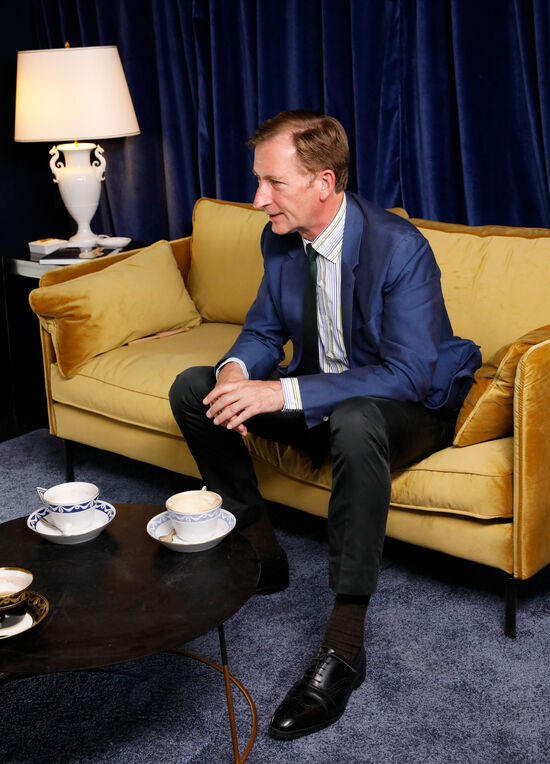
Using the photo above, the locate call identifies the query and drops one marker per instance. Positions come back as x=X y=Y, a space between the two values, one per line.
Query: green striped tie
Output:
x=310 y=355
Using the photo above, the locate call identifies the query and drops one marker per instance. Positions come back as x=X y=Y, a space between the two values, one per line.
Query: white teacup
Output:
x=194 y=514
x=71 y=505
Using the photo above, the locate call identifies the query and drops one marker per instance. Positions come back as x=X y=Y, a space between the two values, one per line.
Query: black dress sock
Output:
x=345 y=630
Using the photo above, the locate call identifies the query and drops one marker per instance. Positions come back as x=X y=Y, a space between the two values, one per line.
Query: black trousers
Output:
x=367 y=438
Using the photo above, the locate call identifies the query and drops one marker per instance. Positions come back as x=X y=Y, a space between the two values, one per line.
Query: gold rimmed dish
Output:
x=30 y=611
x=13 y=584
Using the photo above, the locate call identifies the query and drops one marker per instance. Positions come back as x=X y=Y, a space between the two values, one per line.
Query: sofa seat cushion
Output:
x=475 y=481
x=131 y=383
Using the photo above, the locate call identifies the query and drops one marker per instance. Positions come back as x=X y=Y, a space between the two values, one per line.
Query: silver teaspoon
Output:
x=52 y=525
x=169 y=536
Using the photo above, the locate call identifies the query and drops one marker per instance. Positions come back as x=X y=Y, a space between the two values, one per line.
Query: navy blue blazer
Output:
x=397 y=333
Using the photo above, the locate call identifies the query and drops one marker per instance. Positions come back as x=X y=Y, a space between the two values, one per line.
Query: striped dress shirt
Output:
x=332 y=352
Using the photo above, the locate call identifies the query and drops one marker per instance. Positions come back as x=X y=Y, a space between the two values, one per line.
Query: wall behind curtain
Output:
x=446 y=103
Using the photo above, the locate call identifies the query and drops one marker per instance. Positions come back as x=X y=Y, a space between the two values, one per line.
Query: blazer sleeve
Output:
x=263 y=336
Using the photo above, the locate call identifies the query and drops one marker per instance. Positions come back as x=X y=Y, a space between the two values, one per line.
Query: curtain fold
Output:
x=446 y=102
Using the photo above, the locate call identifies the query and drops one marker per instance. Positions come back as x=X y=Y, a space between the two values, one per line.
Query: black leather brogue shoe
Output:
x=320 y=695
x=274 y=575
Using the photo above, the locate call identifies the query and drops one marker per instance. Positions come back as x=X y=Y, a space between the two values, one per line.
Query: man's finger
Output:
x=222 y=388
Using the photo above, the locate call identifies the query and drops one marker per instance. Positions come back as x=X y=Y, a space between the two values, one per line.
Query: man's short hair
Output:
x=321 y=141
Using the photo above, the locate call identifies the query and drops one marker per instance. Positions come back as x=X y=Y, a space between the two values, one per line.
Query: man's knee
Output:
x=357 y=421
x=191 y=386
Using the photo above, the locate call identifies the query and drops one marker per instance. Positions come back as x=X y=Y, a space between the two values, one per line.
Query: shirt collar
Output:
x=329 y=240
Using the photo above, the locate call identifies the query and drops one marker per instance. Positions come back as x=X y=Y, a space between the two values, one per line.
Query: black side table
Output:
x=22 y=390
x=122 y=596
x=23 y=406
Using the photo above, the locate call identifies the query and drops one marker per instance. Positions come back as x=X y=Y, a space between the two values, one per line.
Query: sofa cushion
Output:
x=488 y=411
x=474 y=481
x=494 y=279
x=131 y=383
x=226 y=262
x=91 y=314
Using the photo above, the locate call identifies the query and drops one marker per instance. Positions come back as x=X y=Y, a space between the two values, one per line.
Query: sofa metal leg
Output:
x=69 y=462
x=511 y=602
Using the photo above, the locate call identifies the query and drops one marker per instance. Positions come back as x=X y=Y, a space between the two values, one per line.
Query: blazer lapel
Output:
x=351 y=244
x=293 y=274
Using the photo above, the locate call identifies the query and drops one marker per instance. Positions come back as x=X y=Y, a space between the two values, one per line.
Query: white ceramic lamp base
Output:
x=79 y=182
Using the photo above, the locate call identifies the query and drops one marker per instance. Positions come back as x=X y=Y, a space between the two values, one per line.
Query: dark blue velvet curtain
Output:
x=446 y=103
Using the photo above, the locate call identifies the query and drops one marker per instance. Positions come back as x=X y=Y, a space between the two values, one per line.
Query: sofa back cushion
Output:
x=226 y=262
x=494 y=279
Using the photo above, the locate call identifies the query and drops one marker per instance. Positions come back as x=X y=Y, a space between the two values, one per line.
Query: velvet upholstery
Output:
x=218 y=252
x=494 y=279
x=487 y=502
x=86 y=316
x=487 y=412
x=531 y=462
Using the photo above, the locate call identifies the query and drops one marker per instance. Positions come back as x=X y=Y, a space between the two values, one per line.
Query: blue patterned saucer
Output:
x=103 y=512
x=161 y=525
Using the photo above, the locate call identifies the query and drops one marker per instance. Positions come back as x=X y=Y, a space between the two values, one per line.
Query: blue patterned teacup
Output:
x=71 y=505
x=194 y=514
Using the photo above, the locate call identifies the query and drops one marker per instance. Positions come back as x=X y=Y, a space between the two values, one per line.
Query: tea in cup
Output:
x=71 y=505
x=13 y=584
x=194 y=514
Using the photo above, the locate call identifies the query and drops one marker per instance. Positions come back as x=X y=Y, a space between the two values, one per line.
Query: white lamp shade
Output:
x=68 y=94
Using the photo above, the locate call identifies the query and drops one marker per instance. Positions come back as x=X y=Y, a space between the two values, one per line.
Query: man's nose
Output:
x=261 y=198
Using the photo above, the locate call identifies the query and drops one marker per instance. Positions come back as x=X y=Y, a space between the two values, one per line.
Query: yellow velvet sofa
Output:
x=487 y=500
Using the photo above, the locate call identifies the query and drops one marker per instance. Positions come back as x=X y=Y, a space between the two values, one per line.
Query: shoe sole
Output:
x=282 y=735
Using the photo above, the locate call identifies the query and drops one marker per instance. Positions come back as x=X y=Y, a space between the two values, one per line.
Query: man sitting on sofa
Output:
x=376 y=380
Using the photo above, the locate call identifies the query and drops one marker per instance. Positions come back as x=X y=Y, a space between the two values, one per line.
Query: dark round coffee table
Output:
x=123 y=596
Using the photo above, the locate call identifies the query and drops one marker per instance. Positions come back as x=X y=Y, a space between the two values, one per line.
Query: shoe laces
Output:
x=318 y=667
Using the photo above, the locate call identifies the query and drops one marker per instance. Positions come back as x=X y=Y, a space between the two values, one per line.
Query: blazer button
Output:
x=325 y=419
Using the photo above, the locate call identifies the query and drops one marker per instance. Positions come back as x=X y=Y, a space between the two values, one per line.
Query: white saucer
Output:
x=112 y=241
x=160 y=525
x=103 y=514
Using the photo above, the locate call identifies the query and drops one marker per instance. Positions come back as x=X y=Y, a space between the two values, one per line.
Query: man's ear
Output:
x=327 y=181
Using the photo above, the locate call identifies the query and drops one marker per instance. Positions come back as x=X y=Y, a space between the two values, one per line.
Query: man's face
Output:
x=287 y=192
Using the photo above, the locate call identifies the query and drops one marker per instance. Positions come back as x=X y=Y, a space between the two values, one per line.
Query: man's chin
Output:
x=279 y=225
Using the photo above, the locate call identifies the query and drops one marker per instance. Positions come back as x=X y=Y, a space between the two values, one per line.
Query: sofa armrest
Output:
x=48 y=357
x=532 y=461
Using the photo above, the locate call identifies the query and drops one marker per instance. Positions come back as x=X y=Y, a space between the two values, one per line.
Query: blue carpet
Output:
x=443 y=682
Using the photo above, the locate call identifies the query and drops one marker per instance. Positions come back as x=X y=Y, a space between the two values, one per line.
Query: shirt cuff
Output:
x=291 y=392
x=233 y=360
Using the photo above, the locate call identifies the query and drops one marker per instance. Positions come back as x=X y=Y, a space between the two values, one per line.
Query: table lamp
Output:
x=74 y=94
